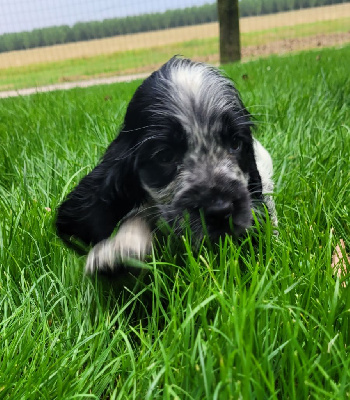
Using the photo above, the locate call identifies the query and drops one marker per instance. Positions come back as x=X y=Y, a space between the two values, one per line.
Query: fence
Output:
x=57 y=43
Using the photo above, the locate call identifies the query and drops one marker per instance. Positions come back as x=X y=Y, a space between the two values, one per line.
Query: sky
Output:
x=25 y=15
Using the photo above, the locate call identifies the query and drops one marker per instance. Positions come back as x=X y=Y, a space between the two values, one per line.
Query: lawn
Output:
x=232 y=320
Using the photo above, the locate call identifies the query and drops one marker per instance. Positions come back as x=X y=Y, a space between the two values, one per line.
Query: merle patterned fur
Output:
x=186 y=148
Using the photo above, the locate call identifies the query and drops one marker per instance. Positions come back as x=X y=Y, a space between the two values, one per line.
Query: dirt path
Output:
x=297 y=44
x=71 y=85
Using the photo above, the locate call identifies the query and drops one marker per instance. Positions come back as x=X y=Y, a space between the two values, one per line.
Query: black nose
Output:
x=219 y=208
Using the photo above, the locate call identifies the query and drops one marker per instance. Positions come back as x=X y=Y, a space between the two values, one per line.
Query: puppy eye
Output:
x=165 y=156
x=235 y=145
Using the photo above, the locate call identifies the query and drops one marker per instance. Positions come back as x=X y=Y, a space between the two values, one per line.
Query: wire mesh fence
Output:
x=71 y=40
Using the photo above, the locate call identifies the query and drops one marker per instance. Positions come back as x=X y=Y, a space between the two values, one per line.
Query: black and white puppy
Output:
x=186 y=147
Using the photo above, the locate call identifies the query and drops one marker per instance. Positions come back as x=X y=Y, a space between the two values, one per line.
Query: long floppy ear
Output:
x=103 y=197
x=110 y=191
x=245 y=125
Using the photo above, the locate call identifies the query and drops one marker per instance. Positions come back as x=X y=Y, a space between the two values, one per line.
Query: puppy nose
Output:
x=219 y=209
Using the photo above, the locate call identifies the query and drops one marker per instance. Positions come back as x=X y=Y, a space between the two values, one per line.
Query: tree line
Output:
x=143 y=23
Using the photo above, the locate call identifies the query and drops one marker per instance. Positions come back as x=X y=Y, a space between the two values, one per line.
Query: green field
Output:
x=126 y=62
x=233 y=321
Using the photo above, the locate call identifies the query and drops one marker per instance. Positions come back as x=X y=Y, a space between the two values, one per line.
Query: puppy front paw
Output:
x=132 y=241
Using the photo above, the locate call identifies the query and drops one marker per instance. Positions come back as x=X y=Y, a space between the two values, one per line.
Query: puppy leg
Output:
x=132 y=241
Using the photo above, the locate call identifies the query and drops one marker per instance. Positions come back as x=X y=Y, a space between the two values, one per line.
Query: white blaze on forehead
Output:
x=194 y=93
x=189 y=79
x=197 y=96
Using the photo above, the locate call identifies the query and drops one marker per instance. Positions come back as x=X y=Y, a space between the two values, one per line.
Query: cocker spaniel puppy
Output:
x=185 y=149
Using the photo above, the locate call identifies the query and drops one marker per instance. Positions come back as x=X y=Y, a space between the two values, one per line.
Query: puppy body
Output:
x=186 y=147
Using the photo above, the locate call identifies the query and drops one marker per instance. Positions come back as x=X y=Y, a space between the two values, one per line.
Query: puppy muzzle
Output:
x=215 y=207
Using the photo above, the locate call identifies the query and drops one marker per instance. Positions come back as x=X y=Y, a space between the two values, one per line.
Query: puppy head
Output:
x=185 y=148
x=197 y=154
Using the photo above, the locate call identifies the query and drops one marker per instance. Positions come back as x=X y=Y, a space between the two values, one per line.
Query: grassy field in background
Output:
x=296 y=31
x=173 y=35
x=140 y=60
x=231 y=321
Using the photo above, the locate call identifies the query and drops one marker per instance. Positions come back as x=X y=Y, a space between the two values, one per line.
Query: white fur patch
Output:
x=133 y=241
x=196 y=94
x=189 y=79
x=265 y=167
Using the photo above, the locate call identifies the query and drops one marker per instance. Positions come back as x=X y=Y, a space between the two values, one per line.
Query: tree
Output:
x=230 y=47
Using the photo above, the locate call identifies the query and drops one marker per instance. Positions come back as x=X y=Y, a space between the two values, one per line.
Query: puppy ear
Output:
x=92 y=210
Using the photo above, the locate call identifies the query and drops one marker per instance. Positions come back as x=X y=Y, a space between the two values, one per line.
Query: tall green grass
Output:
x=229 y=321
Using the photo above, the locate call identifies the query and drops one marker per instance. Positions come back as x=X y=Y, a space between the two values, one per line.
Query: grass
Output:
x=124 y=62
x=230 y=321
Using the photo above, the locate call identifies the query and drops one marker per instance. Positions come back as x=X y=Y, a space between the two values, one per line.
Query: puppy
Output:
x=185 y=152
